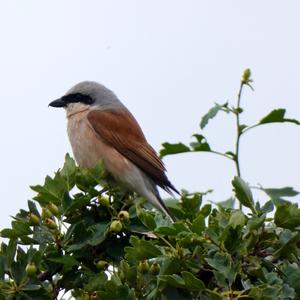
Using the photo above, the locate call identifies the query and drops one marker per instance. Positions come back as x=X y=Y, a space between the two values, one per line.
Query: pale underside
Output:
x=88 y=148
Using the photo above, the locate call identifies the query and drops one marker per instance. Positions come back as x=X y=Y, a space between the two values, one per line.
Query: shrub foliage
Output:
x=83 y=236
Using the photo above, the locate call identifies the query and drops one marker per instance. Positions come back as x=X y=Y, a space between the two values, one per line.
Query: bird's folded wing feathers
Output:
x=119 y=129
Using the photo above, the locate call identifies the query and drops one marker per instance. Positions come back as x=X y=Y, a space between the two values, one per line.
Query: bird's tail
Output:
x=159 y=203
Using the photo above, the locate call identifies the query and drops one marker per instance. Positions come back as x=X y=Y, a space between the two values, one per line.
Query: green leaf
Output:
x=141 y=250
x=281 y=192
x=277 y=116
x=256 y=222
x=229 y=203
x=172 y=280
x=166 y=230
x=267 y=207
x=243 y=193
x=146 y=218
x=276 y=194
x=11 y=251
x=198 y=224
x=292 y=273
x=237 y=218
x=205 y=210
x=191 y=203
x=67 y=261
x=8 y=233
x=223 y=264
x=212 y=113
x=53 y=190
x=201 y=143
x=169 y=265
x=192 y=282
x=68 y=171
x=169 y=149
x=287 y=216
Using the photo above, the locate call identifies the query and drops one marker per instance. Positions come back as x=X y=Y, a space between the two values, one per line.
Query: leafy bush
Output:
x=94 y=241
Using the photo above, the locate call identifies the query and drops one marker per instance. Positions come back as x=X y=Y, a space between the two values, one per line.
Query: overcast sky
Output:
x=168 y=61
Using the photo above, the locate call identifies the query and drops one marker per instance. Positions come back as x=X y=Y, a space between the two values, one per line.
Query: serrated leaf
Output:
x=166 y=230
x=223 y=264
x=68 y=171
x=256 y=222
x=192 y=282
x=201 y=143
x=169 y=149
x=237 y=218
x=172 y=280
x=277 y=194
x=243 y=193
x=198 y=224
x=212 y=113
x=277 y=115
x=141 y=250
x=229 y=203
x=281 y=192
x=67 y=261
x=267 y=207
x=287 y=216
x=146 y=218
x=53 y=190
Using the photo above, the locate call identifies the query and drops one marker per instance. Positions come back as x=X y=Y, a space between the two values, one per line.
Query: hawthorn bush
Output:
x=83 y=237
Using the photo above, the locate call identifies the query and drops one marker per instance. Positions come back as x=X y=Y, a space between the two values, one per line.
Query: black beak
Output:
x=58 y=103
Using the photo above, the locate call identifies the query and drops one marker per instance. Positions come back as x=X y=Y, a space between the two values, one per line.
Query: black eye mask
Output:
x=76 y=98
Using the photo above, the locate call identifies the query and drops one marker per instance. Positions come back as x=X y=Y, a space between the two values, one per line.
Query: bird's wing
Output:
x=119 y=129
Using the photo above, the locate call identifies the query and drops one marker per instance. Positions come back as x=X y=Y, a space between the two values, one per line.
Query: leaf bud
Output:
x=123 y=215
x=46 y=213
x=143 y=266
x=154 y=269
x=103 y=200
x=33 y=219
x=102 y=265
x=115 y=226
x=246 y=76
x=30 y=269
x=50 y=224
x=53 y=209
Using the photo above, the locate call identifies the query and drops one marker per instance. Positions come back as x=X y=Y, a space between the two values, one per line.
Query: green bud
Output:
x=50 y=224
x=123 y=215
x=46 y=213
x=33 y=219
x=115 y=226
x=31 y=269
x=246 y=76
x=102 y=265
x=155 y=268
x=143 y=266
x=53 y=209
x=103 y=200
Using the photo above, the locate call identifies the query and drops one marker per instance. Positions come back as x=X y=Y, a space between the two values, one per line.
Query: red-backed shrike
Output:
x=100 y=127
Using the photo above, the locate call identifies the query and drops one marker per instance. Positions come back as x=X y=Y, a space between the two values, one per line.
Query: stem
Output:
x=250 y=127
x=221 y=154
x=238 y=136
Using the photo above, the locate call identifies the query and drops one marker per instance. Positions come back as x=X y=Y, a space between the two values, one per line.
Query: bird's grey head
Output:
x=87 y=94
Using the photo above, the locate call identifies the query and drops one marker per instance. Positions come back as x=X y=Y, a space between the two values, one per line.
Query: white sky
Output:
x=168 y=61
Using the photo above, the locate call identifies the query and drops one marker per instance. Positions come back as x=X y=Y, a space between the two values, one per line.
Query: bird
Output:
x=101 y=128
